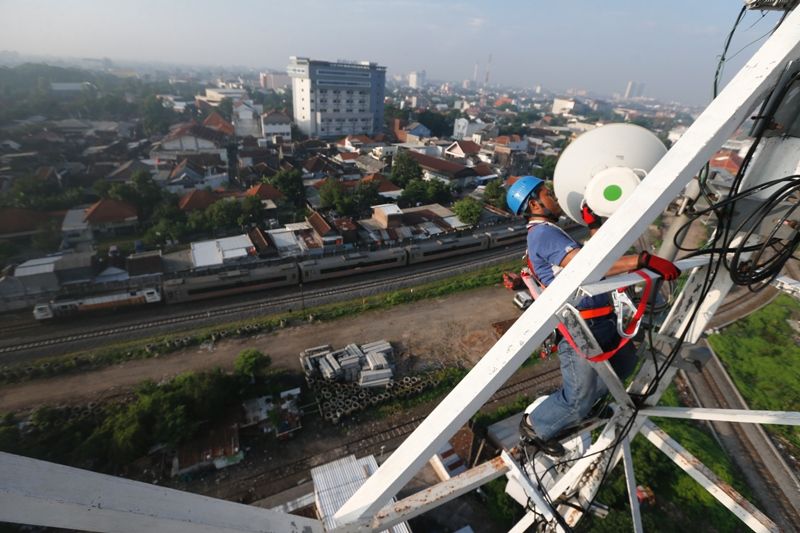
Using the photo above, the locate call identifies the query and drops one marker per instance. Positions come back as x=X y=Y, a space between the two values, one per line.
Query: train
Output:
x=256 y=276
x=61 y=307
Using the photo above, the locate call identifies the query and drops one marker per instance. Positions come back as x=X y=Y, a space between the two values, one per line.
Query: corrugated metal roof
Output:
x=215 y=252
x=40 y=265
x=336 y=482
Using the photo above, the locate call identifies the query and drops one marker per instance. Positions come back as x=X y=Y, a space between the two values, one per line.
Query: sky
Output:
x=672 y=47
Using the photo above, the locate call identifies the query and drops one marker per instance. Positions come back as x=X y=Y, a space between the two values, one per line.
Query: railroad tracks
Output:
x=750 y=447
x=261 y=484
x=276 y=304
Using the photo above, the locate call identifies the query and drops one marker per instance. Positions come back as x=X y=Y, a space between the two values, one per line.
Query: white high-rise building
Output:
x=416 y=80
x=336 y=99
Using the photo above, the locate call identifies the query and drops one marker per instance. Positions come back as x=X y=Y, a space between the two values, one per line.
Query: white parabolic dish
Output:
x=585 y=169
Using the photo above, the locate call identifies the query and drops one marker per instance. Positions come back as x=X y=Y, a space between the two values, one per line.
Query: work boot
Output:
x=527 y=435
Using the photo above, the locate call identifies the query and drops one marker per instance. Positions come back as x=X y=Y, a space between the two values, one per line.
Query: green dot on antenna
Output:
x=612 y=193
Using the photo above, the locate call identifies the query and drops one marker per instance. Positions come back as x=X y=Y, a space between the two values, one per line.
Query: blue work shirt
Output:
x=547 y=246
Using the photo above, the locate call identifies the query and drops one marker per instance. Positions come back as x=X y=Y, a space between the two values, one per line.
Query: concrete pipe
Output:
x=406 y=380
x=419 y=389
x=414 y=379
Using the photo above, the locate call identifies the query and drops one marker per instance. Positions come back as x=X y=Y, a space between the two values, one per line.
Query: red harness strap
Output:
x=629 y=329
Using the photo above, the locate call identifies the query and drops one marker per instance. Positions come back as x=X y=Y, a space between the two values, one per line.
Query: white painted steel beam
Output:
x=742 y=416
x=630 y=481
x=724 y=493
x=425 y=500
x=715 y=125
x=47 y=494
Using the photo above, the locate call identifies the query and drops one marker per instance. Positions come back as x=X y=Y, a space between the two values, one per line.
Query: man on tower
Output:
x=549 y=250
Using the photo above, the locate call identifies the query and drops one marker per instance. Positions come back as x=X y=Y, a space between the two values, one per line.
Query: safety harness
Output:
x=626 y=333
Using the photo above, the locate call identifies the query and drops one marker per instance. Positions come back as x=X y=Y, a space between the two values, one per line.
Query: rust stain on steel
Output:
x=430 y=494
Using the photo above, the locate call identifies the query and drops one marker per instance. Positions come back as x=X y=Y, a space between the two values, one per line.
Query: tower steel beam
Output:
x=715 y=125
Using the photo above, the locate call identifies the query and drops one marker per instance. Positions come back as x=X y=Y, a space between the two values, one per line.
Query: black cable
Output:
x=721 y=63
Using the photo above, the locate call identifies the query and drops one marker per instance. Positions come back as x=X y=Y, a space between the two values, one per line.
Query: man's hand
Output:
x=589 y=217
x=659 y=265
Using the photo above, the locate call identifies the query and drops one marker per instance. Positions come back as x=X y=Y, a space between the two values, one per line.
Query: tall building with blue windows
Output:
x=336 y=99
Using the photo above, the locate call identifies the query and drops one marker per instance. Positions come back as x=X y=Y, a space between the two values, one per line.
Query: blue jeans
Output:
x=581 y=387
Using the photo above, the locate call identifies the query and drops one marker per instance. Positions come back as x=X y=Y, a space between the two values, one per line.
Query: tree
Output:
x=495 y=194
x=468 y=210
x=438 y=192
x=252 y=363
x=224 y=213
x=155 y=117
x=290 y=183
x=404 y=169
x=415 y=192
x=548 y=164
x=252 y=211
x=330 y=193
x=225 y=108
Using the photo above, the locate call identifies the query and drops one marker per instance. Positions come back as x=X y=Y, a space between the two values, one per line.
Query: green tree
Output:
x=290 y=183
x=252 y=211
x=495 y=194
x=102 y=187
x=365 y=196
x=468 y=210
x=251 y=363
x=155 y=117
x=548 y=164
x=225 y=108
x=330 y=193
x=415 y=192
x=224 y=213
x=48 y=236
x=438 y=192
x=404 y=169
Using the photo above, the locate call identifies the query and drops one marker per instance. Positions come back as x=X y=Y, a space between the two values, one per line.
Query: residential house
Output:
x=384 y=185
x=197 y=200
x=21 y=224
x=462 y=150
x=189 y=137
x=111 y=216
x=357 y=143
x=443 y=170
x=218 y=448
x=125 y=171
x=217 y=122
x=324 y=233
x=276 y=126
x=247 y=118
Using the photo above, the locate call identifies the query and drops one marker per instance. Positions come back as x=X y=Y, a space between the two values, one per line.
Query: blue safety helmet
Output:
x=517 y=195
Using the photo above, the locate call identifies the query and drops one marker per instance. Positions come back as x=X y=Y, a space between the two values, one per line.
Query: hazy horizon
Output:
x=671 y=48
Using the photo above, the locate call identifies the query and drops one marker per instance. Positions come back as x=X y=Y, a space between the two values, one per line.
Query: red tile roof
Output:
x=727 y=160
x=319 y=224
x=384 y=184
x=442 y=166
x=484 y=169
x=469 y=147
x=194 y=130
x=348 y=156
x=109 y=210
x=197 y=199
x=265 y=191
x=15 y=220
x=218 y=122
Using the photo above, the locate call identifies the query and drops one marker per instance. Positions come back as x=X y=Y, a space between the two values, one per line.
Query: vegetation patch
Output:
x=761 y=353
x=162 y=345
x=106 y=437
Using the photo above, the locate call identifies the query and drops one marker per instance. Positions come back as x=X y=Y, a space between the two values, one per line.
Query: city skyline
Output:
x=580 y=45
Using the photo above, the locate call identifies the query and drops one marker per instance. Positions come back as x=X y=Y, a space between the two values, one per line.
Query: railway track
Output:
x=749 y=446
x=261 y=484
x=249 y=309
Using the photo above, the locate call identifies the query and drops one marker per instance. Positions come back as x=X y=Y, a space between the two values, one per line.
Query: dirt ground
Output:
x=447 y=330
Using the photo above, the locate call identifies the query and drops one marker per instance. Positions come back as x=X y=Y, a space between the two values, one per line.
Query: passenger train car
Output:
x=199 y=285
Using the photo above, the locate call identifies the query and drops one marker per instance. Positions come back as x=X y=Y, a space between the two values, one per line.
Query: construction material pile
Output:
x=368 y=365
